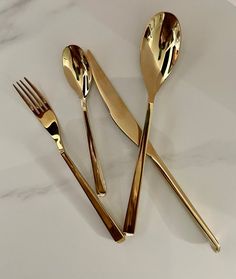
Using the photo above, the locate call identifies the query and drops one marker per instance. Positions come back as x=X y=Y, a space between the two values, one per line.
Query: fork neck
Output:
x=59 y=144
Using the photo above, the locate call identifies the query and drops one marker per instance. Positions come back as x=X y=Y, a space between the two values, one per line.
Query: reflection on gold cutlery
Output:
x=127 y=123
x=42 y=110
x=159 y=52
x=79 y=76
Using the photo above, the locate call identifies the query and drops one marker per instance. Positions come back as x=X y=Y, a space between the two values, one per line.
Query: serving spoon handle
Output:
x=131 y=213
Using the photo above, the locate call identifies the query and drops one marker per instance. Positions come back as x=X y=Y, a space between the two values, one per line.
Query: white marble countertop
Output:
x=48 y=229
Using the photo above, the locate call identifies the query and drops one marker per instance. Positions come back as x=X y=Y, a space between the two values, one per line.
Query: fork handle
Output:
x=114 y=230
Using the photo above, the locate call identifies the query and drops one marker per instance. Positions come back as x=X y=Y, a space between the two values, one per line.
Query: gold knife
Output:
x=127 y=123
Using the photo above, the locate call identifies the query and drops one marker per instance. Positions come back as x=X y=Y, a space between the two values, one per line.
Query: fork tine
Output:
x=32 y=96
x=38 y=93
x=29 y=95
x=26 y=99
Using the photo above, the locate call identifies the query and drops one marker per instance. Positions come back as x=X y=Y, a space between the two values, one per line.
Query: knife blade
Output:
x=127 y=123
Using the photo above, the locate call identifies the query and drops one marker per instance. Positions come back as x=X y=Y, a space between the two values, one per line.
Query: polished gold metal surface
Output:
x=159 y=52
x=127 y=123
x=78 y=74
x=42 y=110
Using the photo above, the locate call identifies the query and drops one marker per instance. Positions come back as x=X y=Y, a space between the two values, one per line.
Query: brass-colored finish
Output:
x=79 y=76
x=127 y=123
x=132 y=209
x=42 y=110
x=159 y=52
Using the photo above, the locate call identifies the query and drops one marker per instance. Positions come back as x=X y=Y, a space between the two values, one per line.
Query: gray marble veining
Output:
x=24 y=193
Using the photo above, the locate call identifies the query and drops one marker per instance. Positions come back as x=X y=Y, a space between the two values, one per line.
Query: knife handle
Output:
x=96 y=165
x=115 y=232
x=180 y=193
x=131 y=213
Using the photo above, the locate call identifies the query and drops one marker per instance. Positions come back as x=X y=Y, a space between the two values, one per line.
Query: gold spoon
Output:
x=159 y=52
x=79 y=76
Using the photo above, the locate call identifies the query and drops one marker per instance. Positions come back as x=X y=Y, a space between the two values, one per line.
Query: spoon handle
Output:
x=106 y=218
x=96 y=166
x=131 y=213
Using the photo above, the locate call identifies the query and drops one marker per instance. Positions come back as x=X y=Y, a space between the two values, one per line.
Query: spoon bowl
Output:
x=77 y=70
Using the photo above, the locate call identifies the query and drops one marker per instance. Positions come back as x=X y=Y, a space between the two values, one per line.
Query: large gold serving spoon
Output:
x=79 y=76
x=159 y=52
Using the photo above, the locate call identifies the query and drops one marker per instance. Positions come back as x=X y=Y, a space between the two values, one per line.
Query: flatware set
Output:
x=159 y=52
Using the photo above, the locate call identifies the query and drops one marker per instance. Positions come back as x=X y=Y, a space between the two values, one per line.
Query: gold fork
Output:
x=42 y=110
